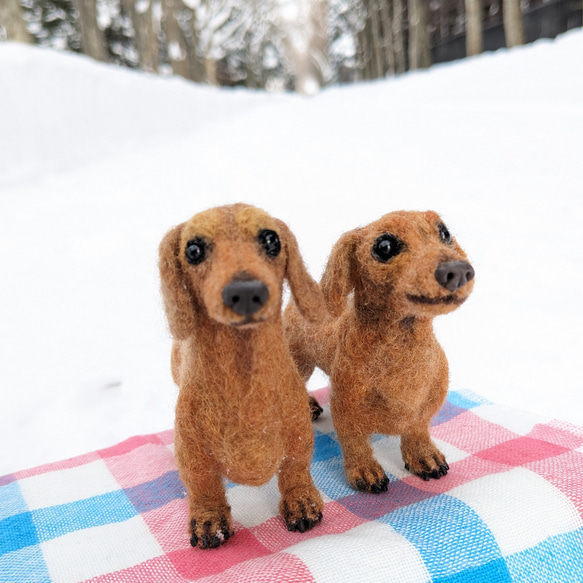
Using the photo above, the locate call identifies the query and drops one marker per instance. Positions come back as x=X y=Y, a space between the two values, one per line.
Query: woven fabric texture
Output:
x=510 y=509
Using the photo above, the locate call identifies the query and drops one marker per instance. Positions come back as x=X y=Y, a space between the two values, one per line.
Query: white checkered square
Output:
x=514 y=420
x=520 y=507
x=70 y=485
x=80 y=555
x=253 y=505
x=371 y=553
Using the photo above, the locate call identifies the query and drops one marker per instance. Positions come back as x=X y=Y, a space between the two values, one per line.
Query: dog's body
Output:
x=384 y=284
x=242 y=409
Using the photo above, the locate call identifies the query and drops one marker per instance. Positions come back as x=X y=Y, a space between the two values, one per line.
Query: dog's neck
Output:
x=235 y=346
x=390 y=316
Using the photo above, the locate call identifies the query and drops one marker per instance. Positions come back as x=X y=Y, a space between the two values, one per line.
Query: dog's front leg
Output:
x=209 y=521
x=421 y=455
x=301 y=505
x=362 y=471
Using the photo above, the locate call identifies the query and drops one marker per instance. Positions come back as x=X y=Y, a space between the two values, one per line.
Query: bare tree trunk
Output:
x=513 y=25
x=387 y=32
x=377 y=52
x=177 y=49
x=398 y=36
x=474 y=34
x=92 y=38
x=11 y=19
x=140 y=11
x=210 y=70
x=419 y=56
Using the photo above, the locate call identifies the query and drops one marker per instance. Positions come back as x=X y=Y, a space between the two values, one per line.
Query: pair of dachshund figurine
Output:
x=243 y=411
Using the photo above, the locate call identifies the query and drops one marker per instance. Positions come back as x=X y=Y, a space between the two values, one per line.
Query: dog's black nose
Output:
x=245 y=297
x=454 y=274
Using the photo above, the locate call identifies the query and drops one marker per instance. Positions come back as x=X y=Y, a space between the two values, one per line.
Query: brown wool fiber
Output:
x=243 y=410
x=388 y=373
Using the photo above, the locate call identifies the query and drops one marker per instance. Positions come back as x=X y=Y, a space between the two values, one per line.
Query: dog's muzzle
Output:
x=245 y=297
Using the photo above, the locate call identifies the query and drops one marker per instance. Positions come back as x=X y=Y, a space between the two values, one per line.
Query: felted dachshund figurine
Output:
x=242 y=410
x=384 y=284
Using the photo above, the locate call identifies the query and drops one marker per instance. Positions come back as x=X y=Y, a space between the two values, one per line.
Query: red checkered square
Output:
x=128 y=445
x=169 y=525
x=196 y=563
x=553 y=432
x=471 y=433
x=152 y=459
x=521 y=451
x=166 y=437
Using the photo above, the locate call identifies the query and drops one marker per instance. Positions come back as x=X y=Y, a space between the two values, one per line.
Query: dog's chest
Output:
x=399 y=373
x=248 y=440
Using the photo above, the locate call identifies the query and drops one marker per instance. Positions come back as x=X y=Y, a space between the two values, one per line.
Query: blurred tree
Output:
x=53 y=23
x=419 y=55
x=118 y=30
x=145 y=33
x=474 y=24
x=92 y=37
x=513 y=25
x=222 y=26
x=398 y=36
x=175 y=42
x=304 y=28
x=346 y=19
x=12 y=20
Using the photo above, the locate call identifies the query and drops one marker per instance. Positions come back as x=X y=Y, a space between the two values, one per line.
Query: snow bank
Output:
x=97 y=162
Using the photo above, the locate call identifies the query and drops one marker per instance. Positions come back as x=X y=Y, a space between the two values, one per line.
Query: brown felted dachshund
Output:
x=384 y=284
x=242 y=410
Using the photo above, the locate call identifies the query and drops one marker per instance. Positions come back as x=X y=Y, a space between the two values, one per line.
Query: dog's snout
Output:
x=454 y=274
x=245 y=297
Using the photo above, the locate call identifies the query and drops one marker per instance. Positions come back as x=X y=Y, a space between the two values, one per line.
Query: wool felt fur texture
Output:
x=383 y=285
x=243 y=411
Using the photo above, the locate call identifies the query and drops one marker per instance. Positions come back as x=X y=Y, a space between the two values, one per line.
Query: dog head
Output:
x=230 y=262
x=407 y=262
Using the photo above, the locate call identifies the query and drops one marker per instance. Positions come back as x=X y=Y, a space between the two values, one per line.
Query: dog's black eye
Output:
x=386 y=247
x=269 y=240
x=444 y=234
x=195 y=251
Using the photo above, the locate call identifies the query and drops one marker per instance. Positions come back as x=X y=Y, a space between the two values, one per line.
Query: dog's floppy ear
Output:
x=177 y=301
x=338 y=279
x=305 y=290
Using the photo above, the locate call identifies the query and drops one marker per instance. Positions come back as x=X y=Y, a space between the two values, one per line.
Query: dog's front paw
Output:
x=301 y=511
x=433 y=466
x=210 y=531
x=370 y=479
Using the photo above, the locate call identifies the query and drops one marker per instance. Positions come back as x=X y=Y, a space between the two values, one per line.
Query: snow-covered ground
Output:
x=96 y=163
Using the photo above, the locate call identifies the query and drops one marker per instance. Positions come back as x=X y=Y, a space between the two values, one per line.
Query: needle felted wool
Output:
x=384 y=284
x=242 y=410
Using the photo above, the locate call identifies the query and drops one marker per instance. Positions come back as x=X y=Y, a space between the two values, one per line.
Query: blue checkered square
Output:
x=17 y=532
x=96 y=511
x=156 y=493
x=11 y=501
x=449 y=535
x=26 y=565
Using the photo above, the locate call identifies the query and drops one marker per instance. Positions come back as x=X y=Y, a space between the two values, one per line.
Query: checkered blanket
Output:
x=511 y=509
